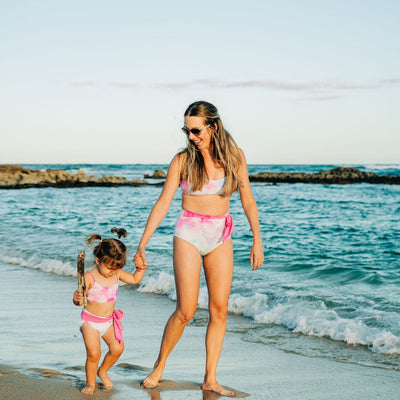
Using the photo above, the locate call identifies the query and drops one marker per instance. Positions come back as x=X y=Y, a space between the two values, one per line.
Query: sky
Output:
x=295 y=82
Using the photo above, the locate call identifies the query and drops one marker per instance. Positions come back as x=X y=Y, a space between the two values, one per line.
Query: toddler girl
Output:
x=99 y=317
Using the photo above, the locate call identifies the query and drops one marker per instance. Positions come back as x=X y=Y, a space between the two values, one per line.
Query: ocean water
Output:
x=330 y=285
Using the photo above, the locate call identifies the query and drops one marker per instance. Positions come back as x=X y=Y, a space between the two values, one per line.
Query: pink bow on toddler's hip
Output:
x=116 y=316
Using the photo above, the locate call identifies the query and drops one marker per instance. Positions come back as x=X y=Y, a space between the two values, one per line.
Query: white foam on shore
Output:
x=163 y=283
x=43 y=264
x=305 y=318
x=310 y=319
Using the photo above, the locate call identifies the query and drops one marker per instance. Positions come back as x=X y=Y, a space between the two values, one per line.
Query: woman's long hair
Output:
x=224 y=150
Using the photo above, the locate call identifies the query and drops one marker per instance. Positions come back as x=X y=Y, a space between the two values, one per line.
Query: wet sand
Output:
x=252 y=370
x=269 y=374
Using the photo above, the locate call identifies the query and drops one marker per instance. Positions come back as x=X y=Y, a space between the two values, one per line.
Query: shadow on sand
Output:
x=167 y=385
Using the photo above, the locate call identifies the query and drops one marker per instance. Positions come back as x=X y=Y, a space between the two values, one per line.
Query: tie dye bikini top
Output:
x=212 y=186
x=102 y=294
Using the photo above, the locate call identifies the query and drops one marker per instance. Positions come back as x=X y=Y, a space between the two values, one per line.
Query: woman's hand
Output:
x=78 y=297
x=256 y=256
x=140 y=259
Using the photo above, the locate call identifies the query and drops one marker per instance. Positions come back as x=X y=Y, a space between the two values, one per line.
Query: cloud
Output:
x=122 y=85
x=390 y=81
x=280 y=85
x=316 y=98
x=221 y=84
x=313 y=90
x=85 y=83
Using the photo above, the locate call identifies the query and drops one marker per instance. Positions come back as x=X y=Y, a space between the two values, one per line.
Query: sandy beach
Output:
x=252 y=370
x=258 y=373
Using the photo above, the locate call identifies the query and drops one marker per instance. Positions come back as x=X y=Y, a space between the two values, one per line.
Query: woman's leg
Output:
x=115 y=349
x=91 y=338
x=187 y=265
x=218 y=269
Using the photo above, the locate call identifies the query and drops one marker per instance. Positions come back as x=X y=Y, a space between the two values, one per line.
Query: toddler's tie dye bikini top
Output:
x=102 y=294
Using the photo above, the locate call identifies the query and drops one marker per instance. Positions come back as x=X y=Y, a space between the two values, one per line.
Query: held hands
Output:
x=256 y=256
x=78 y=297
x=140 y=259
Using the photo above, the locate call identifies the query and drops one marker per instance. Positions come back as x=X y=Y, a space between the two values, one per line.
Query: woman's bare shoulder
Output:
x=177 y=162
x=241 y=152
x=179 y=157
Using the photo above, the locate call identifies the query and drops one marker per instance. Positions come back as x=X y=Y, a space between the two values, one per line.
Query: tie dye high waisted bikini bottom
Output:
x=205 y=232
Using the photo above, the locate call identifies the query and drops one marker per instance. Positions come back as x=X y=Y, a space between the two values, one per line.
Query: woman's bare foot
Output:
x=151 y=381
x=107 y=382
x=88 y=389
x=216 y=387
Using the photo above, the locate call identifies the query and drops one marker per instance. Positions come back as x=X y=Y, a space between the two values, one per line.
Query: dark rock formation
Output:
x=339 y=175
x=17 y=177
x=157 y=174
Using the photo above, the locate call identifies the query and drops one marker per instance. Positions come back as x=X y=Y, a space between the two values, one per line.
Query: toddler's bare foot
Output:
x=216 y=387
x=107 y=382
x=88 y=389
x=151 y=381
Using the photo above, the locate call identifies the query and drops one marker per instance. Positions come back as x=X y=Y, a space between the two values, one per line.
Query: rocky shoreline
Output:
x=335 y=176
x=18 y=177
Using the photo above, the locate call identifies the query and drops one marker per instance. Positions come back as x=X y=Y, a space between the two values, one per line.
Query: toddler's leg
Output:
x=115 y=350
x=91 y=338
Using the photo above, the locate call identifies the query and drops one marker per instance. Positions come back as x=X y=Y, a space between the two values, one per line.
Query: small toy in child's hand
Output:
x=81 y=277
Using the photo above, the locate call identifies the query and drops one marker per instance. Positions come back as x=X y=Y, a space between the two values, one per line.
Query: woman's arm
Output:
x=159 y=210
x=250 y=209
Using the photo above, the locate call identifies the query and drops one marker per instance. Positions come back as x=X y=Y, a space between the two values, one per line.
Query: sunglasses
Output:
x=195 y=131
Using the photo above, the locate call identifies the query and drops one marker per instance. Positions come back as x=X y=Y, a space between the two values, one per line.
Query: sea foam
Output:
x=308 y=318
x=34 y=261
x=313 y=319
x=163 y=283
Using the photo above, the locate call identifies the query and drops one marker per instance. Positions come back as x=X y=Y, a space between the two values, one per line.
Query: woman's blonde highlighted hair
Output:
x=224 y=149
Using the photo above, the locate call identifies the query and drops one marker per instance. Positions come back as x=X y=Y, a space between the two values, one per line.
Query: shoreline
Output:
x=283 y=376
x=335 y=176
x=18 y=177
x=52 y=366
x=51 y=384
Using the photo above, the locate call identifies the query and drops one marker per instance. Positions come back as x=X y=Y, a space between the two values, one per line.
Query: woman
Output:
x=209 y=170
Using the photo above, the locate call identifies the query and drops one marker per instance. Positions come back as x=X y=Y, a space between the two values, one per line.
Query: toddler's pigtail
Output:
x=121 y=232
x=97 y=251
x=92 y=238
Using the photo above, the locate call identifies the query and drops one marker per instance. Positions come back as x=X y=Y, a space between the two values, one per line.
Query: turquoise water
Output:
x=330 y=285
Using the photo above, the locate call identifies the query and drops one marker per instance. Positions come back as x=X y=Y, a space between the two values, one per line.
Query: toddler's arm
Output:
x=134 y=278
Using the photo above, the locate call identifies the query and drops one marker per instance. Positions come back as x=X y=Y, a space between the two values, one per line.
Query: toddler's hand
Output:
x=78 y=297
x=140 y=260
